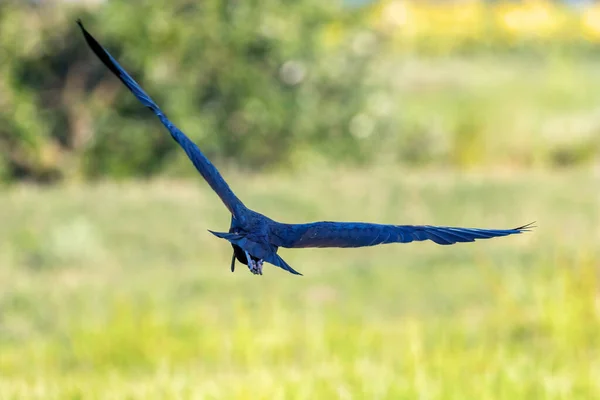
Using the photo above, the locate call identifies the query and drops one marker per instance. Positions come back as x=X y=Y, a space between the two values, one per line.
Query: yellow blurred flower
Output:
x=590 y=22
x=530 y=19
x=445 y=26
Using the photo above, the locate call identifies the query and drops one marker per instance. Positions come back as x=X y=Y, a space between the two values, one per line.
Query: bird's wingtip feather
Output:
x=527 y=227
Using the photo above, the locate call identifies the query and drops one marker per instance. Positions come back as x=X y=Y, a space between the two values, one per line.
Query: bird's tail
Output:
x=244 y=244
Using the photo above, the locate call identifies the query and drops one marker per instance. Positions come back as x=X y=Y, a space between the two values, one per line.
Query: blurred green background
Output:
x=480 y=114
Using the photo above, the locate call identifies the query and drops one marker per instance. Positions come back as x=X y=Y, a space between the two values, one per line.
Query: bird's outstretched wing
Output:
x=358 y=234
x=202 y=164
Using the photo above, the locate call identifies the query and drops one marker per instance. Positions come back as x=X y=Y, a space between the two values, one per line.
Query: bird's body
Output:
x=256 y=238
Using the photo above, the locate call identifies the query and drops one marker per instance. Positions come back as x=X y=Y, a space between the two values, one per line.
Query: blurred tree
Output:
x=246 y=80
x=280 y=82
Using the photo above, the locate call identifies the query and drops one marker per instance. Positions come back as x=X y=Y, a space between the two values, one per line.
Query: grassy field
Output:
x=118 y=291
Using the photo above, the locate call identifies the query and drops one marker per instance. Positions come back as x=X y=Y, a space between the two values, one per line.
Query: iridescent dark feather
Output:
x=359 y=234
x=202 y=164
x=258 y=236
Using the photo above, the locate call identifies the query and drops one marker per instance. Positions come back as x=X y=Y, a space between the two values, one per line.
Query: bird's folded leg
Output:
x=254 y=266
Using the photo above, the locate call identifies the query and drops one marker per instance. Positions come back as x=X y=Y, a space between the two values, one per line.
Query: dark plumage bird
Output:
x=256 y=238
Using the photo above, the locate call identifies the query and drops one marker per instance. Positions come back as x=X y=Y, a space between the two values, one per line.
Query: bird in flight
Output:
x=256 y=238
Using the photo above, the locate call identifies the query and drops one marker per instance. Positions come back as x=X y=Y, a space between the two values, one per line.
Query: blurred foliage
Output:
x=274 y=83
x=246 y=80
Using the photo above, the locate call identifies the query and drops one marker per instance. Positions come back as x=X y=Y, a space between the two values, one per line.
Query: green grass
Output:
x=474 y=111
x=118 y=291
